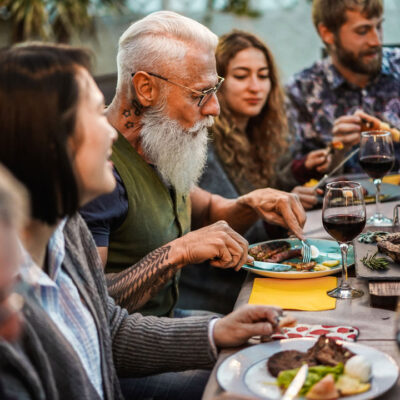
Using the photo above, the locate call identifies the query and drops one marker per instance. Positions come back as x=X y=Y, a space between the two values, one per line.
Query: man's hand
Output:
x=247 y=321
x=320 y=160
x=277 y=207
x=307 y=195
x=347 y=129
x=217 y=242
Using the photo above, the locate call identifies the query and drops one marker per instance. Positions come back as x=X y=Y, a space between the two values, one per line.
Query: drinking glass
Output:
x=343 y=217
x=377 y=159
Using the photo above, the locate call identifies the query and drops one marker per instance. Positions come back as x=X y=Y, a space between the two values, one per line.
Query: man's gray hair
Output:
x=155 y=42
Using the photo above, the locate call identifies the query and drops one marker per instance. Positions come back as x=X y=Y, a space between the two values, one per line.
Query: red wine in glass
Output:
x=343 y=217
x=343 y=227
x=377 y=158
x=377 y=166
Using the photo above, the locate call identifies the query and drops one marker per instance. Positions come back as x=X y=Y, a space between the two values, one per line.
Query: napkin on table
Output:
x=295 y=294
x=337 y=332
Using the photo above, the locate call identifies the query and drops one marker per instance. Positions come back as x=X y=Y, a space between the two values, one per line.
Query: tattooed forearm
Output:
x=133 y=287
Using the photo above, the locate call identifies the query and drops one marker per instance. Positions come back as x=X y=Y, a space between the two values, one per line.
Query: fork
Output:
x=306 y=251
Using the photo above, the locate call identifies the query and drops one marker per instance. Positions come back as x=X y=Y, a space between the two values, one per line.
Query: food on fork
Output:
x=286 y=321
x=369 y=123
x=335 y=145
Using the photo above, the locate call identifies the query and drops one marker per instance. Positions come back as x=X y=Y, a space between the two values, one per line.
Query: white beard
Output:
x=178 y=154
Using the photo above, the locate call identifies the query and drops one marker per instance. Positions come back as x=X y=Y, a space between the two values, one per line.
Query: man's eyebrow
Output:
x=370 y=23
x=208 y=87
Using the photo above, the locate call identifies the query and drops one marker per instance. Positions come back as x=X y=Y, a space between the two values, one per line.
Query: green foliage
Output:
x=52 y=19
x=241 y=7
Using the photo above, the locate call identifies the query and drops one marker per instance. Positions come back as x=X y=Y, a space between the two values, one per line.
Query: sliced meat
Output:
x=285 y=255
x=324 y=352
x=327 y=352
x=283 y=360
x=263 y=251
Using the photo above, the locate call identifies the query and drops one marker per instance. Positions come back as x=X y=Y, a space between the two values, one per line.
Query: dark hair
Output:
x=39 y=93
x=332 y=13
x=267 y=130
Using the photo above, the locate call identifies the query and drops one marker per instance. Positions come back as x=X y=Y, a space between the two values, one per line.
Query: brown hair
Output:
x=39 y=94
x=332 y=13
x=251 y=154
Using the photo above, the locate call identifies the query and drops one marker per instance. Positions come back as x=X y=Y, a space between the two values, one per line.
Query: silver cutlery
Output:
x=296 y=384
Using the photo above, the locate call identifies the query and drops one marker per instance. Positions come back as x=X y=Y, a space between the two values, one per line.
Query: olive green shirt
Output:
x=156 y=215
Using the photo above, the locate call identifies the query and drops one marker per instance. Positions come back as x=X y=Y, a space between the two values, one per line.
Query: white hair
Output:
x=179 y=154
x=151 y=43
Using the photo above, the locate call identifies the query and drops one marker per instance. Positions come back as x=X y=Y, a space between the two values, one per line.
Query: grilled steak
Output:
x=285 y=255
x=288 y=359
x=324 y=352
x=264 y=251
x=327 y=352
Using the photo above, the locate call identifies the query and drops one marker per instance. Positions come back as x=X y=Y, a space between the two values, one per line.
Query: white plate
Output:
x=329 y=250
x=245 y=372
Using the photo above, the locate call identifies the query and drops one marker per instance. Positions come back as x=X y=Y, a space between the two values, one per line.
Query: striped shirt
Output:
x=60 y=298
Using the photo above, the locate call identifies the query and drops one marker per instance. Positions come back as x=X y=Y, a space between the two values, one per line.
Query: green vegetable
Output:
x=315 y=374
x=375 y=263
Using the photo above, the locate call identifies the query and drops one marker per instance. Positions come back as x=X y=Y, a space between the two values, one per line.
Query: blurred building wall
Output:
x=286 y=27
x=288 y=31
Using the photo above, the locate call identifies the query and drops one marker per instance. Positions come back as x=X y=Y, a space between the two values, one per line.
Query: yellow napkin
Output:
x=393 y=179
x=295 y=294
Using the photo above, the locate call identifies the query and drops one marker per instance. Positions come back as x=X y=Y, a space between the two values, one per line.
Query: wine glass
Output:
x=377 y=159
x=343 y=217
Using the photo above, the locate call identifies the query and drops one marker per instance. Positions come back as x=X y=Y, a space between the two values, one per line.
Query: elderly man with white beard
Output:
x=164 y=102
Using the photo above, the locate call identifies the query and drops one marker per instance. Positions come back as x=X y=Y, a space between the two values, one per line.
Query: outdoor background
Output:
x=285 y=25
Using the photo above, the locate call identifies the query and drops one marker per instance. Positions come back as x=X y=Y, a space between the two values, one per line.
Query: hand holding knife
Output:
x=337 y=168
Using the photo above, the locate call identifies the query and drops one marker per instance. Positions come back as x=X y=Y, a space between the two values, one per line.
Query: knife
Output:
x=296 y=384
x=267 y=266
x=340 y=165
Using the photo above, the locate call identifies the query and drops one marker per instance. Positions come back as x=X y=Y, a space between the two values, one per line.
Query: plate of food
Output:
x=326 y=258
x=337 y=369
x=389 y=192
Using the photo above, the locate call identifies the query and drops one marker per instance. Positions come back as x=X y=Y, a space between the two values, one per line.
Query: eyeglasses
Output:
x=203 y=95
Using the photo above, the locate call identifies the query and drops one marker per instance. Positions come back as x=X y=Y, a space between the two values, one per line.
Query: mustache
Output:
x=375 y=50
x=207 y=122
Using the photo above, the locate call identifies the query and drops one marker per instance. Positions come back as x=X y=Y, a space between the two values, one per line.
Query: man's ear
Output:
x=146 y=91
x=327 y=36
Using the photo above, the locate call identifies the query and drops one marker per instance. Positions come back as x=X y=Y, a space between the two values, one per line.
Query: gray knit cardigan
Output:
x=44 y=366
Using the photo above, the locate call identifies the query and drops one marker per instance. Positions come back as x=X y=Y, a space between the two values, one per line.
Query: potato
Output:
x=320 y=267
x=331 y=263
x=348 y=385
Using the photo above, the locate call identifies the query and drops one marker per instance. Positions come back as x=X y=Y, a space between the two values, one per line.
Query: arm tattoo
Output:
x=133 y=287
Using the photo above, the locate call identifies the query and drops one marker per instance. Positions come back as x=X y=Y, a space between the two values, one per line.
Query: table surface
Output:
x=376 y=325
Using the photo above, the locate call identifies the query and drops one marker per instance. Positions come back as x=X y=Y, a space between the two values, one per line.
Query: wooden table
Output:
x=377 y=325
